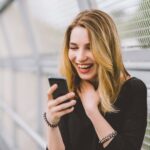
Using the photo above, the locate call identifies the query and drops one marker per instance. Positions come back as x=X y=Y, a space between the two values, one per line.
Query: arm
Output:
x=90 y=100
x=60 y=135
x=56 y=113
x=102 y=127
x=132 y=132
x=54 y=139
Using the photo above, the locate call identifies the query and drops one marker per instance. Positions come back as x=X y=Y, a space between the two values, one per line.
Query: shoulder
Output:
x=135 y=84
x=137 y=97
x=137 y=91
x=133 y=91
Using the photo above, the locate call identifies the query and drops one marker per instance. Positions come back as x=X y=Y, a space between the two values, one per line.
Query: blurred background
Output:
x=31 y=38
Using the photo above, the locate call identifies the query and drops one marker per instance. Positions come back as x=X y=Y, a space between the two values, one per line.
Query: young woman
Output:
x=107 y=107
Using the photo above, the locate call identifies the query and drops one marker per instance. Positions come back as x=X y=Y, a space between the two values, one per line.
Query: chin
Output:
x=88 y=78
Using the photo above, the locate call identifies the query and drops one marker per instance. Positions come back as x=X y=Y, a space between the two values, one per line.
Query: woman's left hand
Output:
x=90 y=97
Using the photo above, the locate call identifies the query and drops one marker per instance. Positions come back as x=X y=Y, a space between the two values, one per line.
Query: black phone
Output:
x=62 y=88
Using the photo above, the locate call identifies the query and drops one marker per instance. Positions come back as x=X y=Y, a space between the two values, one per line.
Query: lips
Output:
x=84 y=68
x=87 y=66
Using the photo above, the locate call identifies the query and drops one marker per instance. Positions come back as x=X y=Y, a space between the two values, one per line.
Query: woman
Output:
x=107 y=107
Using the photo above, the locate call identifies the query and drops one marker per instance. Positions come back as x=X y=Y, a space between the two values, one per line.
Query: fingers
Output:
x=61 y=99
x=64 y=98
x=51 y=90
x=64 y=106
x=58 y=107
x=66 y=111
x=56 y=112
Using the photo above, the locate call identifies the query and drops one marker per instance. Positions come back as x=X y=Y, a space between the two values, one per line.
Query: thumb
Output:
x=51 y=91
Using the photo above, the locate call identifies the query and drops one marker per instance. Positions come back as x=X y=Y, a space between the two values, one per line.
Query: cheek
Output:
x=71 y=56
x=92 y=57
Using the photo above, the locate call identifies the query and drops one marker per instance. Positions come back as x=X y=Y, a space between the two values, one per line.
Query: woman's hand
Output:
x=56 y=108
x=89 y=97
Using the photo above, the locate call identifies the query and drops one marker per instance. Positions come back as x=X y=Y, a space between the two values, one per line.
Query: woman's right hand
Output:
x=56 y=108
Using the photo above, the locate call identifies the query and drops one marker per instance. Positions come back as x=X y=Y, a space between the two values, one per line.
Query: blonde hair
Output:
x=106 y=49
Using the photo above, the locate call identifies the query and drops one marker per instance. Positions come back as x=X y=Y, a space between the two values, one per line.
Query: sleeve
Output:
x=64 y=130
x=135 y=120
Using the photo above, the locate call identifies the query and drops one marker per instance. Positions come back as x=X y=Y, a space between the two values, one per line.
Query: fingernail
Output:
x=74 y=101
x=55 y=84
x=72 y=93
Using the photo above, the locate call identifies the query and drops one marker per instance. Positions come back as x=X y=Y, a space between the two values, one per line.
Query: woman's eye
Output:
x=88 y=48
x=73 y=48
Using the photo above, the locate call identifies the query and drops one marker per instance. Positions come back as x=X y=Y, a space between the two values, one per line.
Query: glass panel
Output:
x=16 y=30
x=24 y=142
x=49 y=19
x=26 y=97
x=6 y=97
x=3 y=46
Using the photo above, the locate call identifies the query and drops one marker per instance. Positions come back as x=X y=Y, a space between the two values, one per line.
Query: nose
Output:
x=81 y=56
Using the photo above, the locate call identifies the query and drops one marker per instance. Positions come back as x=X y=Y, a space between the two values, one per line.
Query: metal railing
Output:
x=24 y=126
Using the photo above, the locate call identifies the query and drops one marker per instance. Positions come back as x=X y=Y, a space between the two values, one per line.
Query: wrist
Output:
x=93 y=114
x=48 y=123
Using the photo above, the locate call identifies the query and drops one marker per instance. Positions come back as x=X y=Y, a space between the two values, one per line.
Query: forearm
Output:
x=102 y=127
x=130 y=137
x=55 y=141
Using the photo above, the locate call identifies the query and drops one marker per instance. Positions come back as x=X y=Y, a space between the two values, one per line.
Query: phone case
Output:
x=62 y=88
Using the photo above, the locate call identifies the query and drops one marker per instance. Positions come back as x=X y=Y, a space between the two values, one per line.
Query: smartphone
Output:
x=62 y=88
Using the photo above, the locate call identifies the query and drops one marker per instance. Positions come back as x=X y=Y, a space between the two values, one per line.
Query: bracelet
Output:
x=48 y=123
x=108 y=137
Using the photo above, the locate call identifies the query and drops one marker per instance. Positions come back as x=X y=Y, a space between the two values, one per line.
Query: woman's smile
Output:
x=84 y=68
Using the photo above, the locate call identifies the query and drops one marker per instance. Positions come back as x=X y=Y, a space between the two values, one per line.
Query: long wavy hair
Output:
x=106 y=49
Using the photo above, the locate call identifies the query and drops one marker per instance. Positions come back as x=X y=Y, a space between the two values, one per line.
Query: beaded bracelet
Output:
x=108 y=137
x=48 y=123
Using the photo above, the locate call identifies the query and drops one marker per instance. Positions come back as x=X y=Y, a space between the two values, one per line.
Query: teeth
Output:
x=83 y=66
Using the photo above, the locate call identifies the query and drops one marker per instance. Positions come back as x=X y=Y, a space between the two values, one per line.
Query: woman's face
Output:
x=81 y=55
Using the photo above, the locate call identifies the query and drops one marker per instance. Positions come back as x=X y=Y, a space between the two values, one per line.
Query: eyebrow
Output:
x=71 y=43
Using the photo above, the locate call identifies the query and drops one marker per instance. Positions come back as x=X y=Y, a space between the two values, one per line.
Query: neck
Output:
x=94 y=82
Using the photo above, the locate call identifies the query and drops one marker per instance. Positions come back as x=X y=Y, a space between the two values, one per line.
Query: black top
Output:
x=130 y=122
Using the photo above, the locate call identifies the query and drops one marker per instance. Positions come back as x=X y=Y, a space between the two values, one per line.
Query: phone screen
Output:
x=62 y=88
